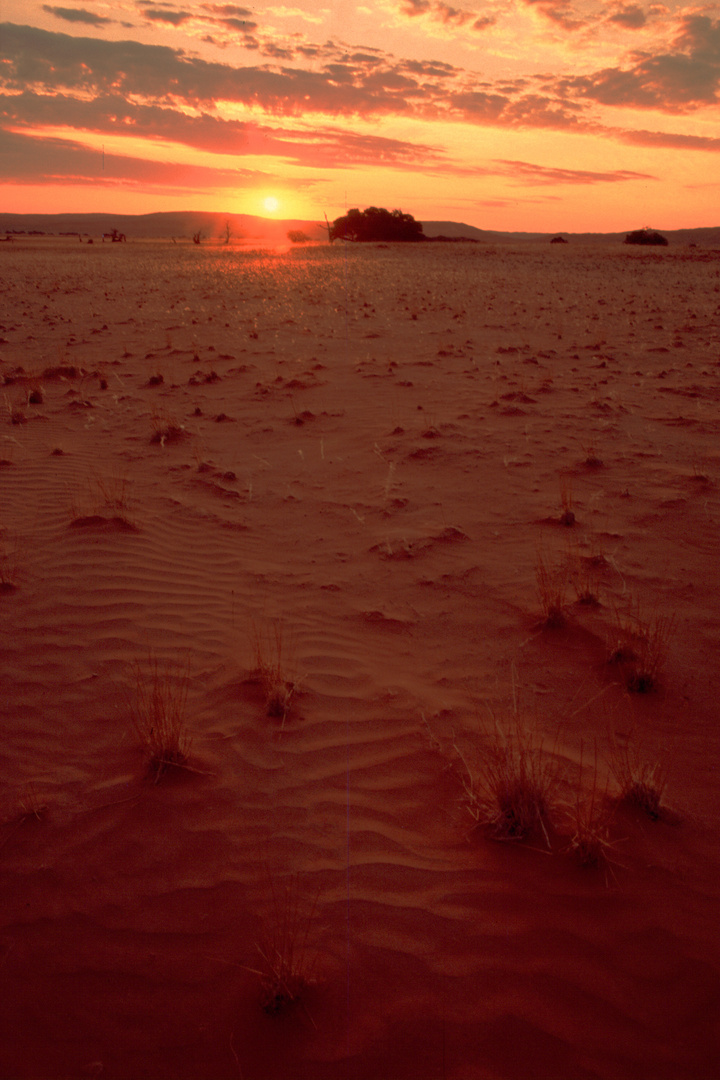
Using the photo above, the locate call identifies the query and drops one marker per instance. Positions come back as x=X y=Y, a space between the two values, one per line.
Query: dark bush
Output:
x=646 y=236
x=376 y=224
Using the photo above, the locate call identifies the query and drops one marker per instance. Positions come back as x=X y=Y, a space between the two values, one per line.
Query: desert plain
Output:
x=375 y=521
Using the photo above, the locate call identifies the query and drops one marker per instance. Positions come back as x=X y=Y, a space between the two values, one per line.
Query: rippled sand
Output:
x=369 y=456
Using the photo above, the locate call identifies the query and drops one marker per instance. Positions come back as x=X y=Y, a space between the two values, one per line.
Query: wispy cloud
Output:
x=527 y=174
x=33 y=160
x=78 y=15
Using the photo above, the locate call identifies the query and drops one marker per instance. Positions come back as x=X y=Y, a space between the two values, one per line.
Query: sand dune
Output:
x=370 y=452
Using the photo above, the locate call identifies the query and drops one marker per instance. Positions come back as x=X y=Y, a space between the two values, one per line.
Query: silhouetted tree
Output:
x=558 y=240
x=376 y=224
x=646 y=236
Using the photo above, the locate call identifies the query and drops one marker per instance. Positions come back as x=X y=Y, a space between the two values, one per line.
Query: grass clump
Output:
x=287 y=963
x=567 y=517
x=159 y=717
x=584 y=573
x=638 y=647
x=513 y=790
x=590 y=817
x=165 y=429
x=272 y=666
x=9 y=563
x=642 y=782
x=551 y=591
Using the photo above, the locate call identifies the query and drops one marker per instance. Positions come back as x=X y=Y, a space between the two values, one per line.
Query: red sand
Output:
x=371 y=449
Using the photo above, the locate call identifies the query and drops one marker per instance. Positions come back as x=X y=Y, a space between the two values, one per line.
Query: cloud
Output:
x=437 y=11
x=128 y=87
x=174 y=18
x=560 y=12
x=327 y=146
x=630 y=16
x=227 y=17
x=31 y=160
x=668 y=140
x=77 y=15
x=672 y=81
x=527 y=174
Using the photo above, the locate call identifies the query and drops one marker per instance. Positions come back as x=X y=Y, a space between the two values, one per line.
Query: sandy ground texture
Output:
x=360 y=625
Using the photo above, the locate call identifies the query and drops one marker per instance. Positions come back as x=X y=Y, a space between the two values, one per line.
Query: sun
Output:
x=271 y=204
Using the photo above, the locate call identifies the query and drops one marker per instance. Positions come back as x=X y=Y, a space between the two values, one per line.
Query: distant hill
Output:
x=161 y=225
x=708 y=237
x=247 y=227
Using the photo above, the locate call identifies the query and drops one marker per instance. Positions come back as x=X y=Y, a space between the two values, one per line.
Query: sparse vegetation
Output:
x=287 y=963
x=9 y=564
x=158 y=712
x=103 y=494
x=642 y=782
x=552 y=591
x=590 y=817
x=513 y=790
x=272 y=665
x=568 y=515
x=165 y=429
x=638 y=647
x=584 y=574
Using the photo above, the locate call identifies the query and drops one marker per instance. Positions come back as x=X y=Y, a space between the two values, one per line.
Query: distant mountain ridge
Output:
x=248 y=227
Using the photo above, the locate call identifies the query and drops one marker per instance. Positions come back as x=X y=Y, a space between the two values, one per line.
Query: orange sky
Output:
x=540 y=115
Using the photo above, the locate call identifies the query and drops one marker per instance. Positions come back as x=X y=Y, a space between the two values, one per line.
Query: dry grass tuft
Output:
x=287 y=962
x=584 y=573
x=9 y=563
x=590 y=818
x=552 y=592
x=514 y=789
x=642 y=782
x=103 y=493
x=273 y=667
x=113 y=489
x=638 y=646
x=165 y=429
x=158 y=712
x=568 y=515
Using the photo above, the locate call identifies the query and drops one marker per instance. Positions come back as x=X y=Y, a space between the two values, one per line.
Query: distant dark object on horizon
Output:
x=376 y=224
x=646 y=236
x=297 y=236
x=558 y=240
x=450 y=239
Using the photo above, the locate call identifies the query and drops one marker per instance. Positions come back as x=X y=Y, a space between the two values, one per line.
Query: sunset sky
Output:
x=540 y=115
